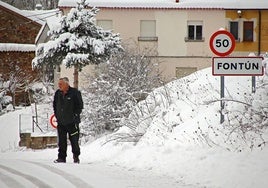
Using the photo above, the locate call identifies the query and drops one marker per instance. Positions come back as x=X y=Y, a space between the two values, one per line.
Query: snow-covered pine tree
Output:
x=78 y=41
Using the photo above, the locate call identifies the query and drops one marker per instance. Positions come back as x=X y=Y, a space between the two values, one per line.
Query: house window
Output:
x=195 y=31
x=248 y=31
x=105 y=24
x=147 y=30
x=234 y=29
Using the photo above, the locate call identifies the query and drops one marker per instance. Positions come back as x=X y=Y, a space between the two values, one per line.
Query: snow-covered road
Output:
x=35 y=174
x=26 y=168
x=23 y=173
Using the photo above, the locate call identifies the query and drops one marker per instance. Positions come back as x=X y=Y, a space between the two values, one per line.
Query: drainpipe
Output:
x=259 y=53
x=259 y=40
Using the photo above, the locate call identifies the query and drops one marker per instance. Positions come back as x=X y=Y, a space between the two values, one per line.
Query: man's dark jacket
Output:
x=67 y=108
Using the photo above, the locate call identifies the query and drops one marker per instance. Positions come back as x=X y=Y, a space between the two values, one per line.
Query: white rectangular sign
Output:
x=237 y=66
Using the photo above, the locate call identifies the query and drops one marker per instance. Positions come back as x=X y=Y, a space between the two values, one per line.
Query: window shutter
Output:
x=248 y=31
x=147 y=28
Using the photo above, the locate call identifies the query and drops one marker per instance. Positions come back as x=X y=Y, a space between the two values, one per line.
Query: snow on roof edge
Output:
x=136 y=7
x=170 y=4
x=15 y=47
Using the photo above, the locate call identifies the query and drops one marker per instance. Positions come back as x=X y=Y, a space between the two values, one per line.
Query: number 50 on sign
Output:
x=222 y=43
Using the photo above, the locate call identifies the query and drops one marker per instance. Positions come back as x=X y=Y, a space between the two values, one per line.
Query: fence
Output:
x=31 y=123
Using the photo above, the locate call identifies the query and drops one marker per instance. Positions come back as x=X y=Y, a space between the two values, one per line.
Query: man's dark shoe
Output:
x=60 y=160
x=76 y=159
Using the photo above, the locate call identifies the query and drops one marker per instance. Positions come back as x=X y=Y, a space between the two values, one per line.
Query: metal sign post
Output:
x=253 y=81
x=222 y=97
x=222 y=43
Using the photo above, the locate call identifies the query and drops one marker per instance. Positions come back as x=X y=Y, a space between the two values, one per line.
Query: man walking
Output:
x=67 y=106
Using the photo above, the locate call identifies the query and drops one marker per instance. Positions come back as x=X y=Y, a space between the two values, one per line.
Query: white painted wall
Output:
x=171 y=30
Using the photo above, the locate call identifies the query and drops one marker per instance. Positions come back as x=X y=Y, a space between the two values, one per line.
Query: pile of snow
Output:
x=188 y=111
x=183 y=137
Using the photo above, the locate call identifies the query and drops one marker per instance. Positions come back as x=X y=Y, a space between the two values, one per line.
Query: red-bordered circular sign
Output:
x=53 y=121
x=222 y=43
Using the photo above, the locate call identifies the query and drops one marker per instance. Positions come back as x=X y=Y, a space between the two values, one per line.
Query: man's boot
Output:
x=76 y=159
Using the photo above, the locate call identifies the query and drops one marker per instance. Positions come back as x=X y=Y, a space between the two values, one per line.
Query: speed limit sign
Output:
x=222 y=43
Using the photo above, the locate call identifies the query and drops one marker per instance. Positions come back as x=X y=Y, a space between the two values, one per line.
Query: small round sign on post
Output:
x=222 y=43
x=53 y=121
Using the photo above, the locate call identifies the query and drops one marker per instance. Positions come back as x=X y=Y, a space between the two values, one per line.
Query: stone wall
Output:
x=18 y=64
x=16 y=28
x=37 y=142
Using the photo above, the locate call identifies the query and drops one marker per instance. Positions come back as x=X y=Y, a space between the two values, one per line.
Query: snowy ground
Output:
x=170 y=154
x=21 y=167
x=35 y=171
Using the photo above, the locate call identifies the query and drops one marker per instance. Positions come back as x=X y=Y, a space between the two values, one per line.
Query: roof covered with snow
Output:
x=25 y=14
x=52 y=23
x=182 y=4
x=41 y=15
x=12 y=47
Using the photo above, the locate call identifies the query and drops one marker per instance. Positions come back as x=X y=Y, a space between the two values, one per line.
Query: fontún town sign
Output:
x=222 y=43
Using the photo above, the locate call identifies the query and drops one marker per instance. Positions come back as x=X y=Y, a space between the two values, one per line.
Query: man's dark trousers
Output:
x=73 y=132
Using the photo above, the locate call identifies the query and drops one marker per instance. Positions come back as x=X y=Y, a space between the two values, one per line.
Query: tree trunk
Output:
x=75 y=77
x=13 y=95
